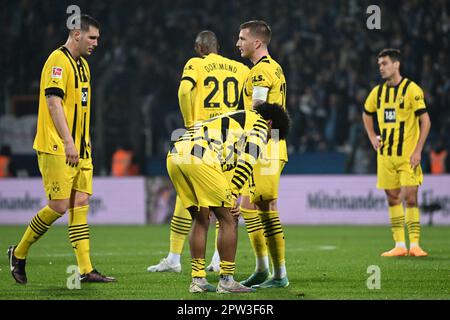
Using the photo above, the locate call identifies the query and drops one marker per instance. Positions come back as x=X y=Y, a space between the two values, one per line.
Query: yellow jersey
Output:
x=217 y=85
x=69 y=79
x=233 y=140
x=268 y=73
x=398 y=109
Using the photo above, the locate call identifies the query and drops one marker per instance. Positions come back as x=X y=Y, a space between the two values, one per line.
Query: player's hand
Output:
x=376 y=142
x=415 y=159
x=71 y=153
x=235 y=212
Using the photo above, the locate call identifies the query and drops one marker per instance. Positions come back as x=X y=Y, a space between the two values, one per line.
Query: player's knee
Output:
x=393 y=202
x=267 y=205
x=224 y=217
x=59 y=206
x=411 y=201
x=393 y=199
x=81 y=200
x=246 y=204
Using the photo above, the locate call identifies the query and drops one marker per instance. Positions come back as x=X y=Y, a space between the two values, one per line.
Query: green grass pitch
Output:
x=323 y=262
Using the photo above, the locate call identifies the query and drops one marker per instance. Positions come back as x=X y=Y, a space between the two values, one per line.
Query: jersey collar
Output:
x=263 y=57
x=397 y=85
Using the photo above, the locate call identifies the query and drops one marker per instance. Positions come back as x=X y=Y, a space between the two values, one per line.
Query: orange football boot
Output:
x=396 y=252
x=417 y=252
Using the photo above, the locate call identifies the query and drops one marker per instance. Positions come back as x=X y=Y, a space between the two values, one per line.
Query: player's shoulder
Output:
x=57 y=54
x=271 y=61
x=193 y=62
x=57 y=58
x=375 y=88
x=412 y=86
x=254 y=115
x=266 y=64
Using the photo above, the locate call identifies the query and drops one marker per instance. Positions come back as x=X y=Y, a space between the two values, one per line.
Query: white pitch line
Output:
x=327 y=248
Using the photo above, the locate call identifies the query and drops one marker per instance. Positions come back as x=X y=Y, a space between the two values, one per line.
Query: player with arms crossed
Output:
x=266 y=82
x=211 y=85
x=404 y=124
x=63 y=149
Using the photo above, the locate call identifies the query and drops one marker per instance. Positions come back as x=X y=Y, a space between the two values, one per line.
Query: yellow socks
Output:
x=274 y=234
x=256 y=235
x=179 y=228
x=413 y=224
x=79 y=237
x=397 y=218
x=39 y=225
x=198 y=268
x=227 y=268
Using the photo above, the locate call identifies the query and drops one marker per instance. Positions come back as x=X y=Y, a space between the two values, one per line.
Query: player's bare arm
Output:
x=59 y=119
x=425 y=125
x=368 y=124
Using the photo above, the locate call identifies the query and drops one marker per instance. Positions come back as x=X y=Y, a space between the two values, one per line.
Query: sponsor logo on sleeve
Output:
x=57 y=72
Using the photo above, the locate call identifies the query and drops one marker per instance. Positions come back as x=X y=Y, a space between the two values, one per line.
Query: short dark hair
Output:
x=208 y=41
x=394 y=54
x=86 y=21
x=279 y=116
x=259 y=29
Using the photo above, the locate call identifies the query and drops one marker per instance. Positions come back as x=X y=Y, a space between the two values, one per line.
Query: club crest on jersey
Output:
x=57 y=72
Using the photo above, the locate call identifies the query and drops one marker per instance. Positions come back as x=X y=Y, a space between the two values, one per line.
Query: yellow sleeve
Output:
x=185 y=101
x=254 y=145
x=416 y=96
x=55 y=75
x=190 y=71
x=187 y=83
x=370 y=106
x=261 y=77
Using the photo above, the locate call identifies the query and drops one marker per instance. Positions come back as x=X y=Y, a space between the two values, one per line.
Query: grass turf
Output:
x=323 y=262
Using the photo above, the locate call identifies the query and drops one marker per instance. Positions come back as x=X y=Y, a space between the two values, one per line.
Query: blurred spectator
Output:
x=438 y=158
x=7 y=167
x=123 y=163
x=324 y=48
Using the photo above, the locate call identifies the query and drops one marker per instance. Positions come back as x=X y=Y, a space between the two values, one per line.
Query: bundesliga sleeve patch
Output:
x=57 y=72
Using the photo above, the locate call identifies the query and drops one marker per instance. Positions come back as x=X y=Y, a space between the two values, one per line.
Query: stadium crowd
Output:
x=324 y=46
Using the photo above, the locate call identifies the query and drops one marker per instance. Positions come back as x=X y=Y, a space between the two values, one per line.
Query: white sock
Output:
x=279 y=273
x=216 y=258
x=400 y=245
x=262 y=263
x=174 y=258
x=413 y=244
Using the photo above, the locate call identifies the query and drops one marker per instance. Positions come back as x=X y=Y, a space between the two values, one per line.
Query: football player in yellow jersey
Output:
x=211 y=85
x=266 y=82
x=404 y=124
x=63 y=149
x=196 y=165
